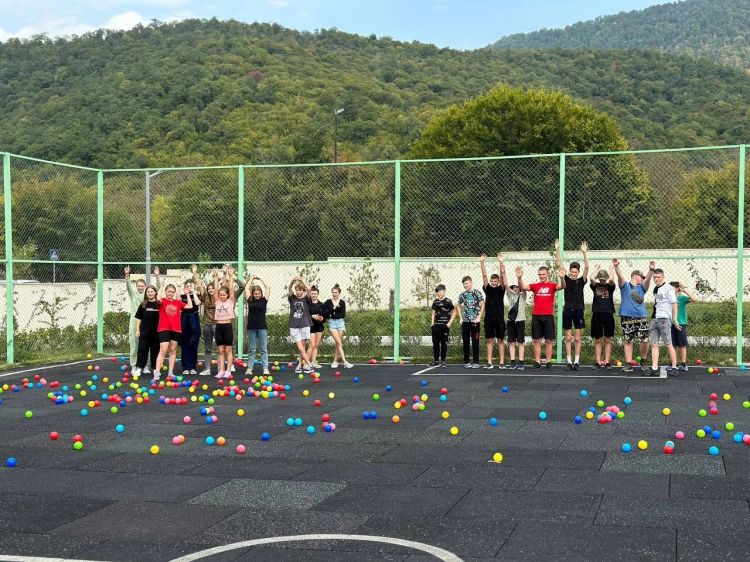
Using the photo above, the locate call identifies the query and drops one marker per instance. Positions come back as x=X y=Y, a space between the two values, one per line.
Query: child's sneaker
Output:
x=520 y=366
x=307 y=369
x=248 y=371
x=136 y=372
x=232 y=369
x=475 y=366
x=186 y=372
x=489 y=366
x=335 y=365
x=435 y=363
x=537 y=365
x=348 y=365
x=468 y=366
x=548 y=366
x=576 y=366
x=193 y=372
x=156 y=378
x=204 y=373
x=228 y=375
x=220 y=375
x=147 y=370
x=501 y=366
x=317 y=366
x=170 y=374
x=443 y=365
x=512 y=364
x=266 y=372
x=298 y=368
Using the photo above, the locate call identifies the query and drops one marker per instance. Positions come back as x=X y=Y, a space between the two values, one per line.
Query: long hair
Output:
x=145 y=298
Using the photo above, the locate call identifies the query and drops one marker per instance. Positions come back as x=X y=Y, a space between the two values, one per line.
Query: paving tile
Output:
x=39 y=514
x=395 y=500
x=277 y=494
x=597 y=482
x=699 y=544
x=492 y=476
x=656 y=463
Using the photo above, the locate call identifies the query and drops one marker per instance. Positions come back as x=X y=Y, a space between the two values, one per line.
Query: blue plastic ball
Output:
x=738 y=437
x=373 y=415
x=443 y=398
x=713 y=451
x=203 y=411
x=209 y=421
x=542 y=415
x=11 y=462
x=743 y=367
x=365 y=416
x=84 y=412
x=592 y=409
x=628 y=400
x=328 y=428
x=423 y=383
x=210 y=440
x=716 y=434
x=265 y=436
x=355 y=379
x=493 y=422
x=584 y=393
x=388 y=388
x=119 y=428
x=290 y=421
x=310 y=429
x=298 y=421
x=505 y=389
x=626 y=447
x=578 y=419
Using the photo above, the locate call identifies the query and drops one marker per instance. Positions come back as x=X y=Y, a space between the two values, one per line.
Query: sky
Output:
x=460 y=24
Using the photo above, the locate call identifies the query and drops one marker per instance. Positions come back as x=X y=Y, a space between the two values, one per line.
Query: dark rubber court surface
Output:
x=563 y=491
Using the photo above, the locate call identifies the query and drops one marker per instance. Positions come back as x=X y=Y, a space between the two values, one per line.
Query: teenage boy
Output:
x=494 y=313
x=573 y=306
x=663 y=319
x=633 y=312
x=603 y=316
x=471 y=308
x=516 y=326
x=679 y=337
x=443 y=314
x=543 y=313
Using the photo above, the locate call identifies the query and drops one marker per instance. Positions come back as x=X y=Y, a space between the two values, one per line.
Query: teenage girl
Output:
x=146 y=323
x=169 y=328
x=207 y=295
x=191 y=329
x=300 y=321
x=316 y=330
x=257 y=293
x=335 y=311
x=224 y=315
x=135 y=296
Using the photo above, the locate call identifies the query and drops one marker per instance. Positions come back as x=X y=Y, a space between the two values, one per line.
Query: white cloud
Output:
x=278 y=3
x=125 y=20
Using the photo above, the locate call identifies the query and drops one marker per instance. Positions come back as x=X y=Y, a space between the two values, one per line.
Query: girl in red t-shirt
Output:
x=169 y=328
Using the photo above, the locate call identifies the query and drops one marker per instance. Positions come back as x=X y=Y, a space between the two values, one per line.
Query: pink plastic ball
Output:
x=415 y=407
x=176 y=440
x=679 y=435
x=214 y=419
x=333 y=427
x=186 y=419
x=240 y=449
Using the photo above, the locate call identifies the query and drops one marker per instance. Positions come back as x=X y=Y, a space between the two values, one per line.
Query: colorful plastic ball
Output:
x=265 y=436
x=505 y=389
x=305 y=392
x=679 y=435
x=297 y=422
x=743 y=367
x=668 y=450
x=388 y=388
x=423 y=383
x=702 y=413
x=29 y=414
x=626 y=447
x=290 y=421
x=240 y=412
x=589 y=415
x=365 y=415
x=454 y=430
x=84 y=412
x=746 y=439
x=497 y=457
x=584 y=393
x=701 y=433
x=737 y=437
x=666 y=411
x=310 y=429
x=620 y=415
x=729 y=426
x=373 y=415
x=600 y=403
x=713 y=451
x=493 y=422
x=578 y=419
x=176 y=440
x=716 y=434
x=11 y=462
x=727 y=396
x=119 y=428
x=355 y=379
x=643 y=444
x=210 y=440
x=542 y=415
x=221 y=441
x=114 y=409
x=54 y=436
x=746 y=404
x=445 y=415
x=443 y=398
x=395 y=419
x=627 y=401
x=90 y=368
x=240 y=449
x=376 y=396
x=78 y=445
x=154 y=450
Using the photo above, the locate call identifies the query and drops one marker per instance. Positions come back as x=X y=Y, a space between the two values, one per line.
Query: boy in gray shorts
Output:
x=663 y=318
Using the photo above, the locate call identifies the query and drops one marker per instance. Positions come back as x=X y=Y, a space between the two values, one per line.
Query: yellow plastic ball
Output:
x=642 y=445
x=90 y=368
x=589 y=415
x=83 y=394
x=727 y=396
x=446 y=414
x=89 y=356
x=497 y=457
x=454 y=430
x=397 y=405
x=154 y=449
x=240 y=412
x=105 y=380
x=305 y=392
x=424 y=398
x=666 y=411
x=331 y=395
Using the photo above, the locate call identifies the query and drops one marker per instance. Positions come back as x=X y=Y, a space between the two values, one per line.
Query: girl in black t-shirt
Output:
x=257 y=293
x=146 y=322
x=317 y=314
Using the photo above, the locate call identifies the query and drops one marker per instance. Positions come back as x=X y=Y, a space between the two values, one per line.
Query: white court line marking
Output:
x=33 y=369
x=428 y=368
x=438 y=553
x=532 y=374
x=6 y=558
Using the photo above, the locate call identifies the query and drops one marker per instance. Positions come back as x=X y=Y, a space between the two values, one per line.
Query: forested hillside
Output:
x=713 y=29
x=199 y=92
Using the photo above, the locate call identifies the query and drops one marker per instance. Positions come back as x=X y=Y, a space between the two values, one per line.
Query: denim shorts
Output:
x=660 y=330
x=337 y=324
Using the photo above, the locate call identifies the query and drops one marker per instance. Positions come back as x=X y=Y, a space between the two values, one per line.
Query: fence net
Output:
x=337 y=225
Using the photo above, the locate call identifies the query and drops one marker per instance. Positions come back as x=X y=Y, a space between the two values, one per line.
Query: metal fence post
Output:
x=561 y=237
x=240 y=260
x=100 y=261
x=740 y=251
x=397 y=260
x=9 y=319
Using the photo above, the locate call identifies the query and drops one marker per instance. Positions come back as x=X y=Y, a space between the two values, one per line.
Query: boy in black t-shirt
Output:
x=494 y=313
x=602 y=316
x=443 y=313
x=573 y=307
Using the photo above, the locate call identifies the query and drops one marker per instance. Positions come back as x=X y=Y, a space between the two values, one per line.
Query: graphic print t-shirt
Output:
x=443 y=310
x=471 y=304
x=169 y=315
x=299 y=313
x=544 y=298
x=603 y=301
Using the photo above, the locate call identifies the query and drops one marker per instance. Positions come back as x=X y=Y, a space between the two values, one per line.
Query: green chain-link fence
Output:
x=385 y=232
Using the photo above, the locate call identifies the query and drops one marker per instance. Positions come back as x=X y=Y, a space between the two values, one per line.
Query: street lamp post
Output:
x=336 y=133
x=149 y=175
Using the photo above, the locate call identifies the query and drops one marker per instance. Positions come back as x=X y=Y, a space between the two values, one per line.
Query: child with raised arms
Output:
x=516 y=326
x=224 y=315
x=135 y=296
x=257 y=293
x=169 y=329
x=146 y=324
x=317 y=313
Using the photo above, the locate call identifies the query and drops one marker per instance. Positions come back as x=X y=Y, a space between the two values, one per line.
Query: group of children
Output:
x=160 y=320
x=667 y=325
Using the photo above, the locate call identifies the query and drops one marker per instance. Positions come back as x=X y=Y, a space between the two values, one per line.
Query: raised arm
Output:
x=216 y=280
x=558 y=260
x=188 y=301
x=157 y=284
x=240 y=290
x=483 y=267
x=618 y=271
x=128 y=284
x=519 y=280
x=501 y=267
x=585 y=250
x=196 y=278
x=649 y=275
x=689 y=295
x=560 y=284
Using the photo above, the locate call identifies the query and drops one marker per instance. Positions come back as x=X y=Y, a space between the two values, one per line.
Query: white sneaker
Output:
x=156 y=378
x=335 y=365
x=266 y=372
x=169 y=374
x=348 y=365
x=249 y=371
x=185 y=372
x=220 y=375
x=136 y=372
x=298 y=368
x=147 y=370
x=204 y=373
x=193 y=372
x=307 y=369
x=228 y=375
x=317 y=366
x=232 y=369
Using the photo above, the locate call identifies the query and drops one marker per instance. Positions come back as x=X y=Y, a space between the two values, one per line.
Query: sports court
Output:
x=373 y=489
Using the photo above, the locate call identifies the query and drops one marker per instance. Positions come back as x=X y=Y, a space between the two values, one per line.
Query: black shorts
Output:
x=602 y=325
x=679 y=337
x=169 y=335
x=224 y=335
x=573 y=319
x=517 y=331
x=494 y=328
x=543 y=326
x=634 y=328
x=316 y=328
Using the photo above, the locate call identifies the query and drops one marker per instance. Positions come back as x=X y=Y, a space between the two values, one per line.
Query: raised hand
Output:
x=557 y=244
x=584 y=246
x=519 y=271
x=500 y=257
x=126 y=269
x=615 y=262
x=651 y=264
x=482 y=258
x=194 y=268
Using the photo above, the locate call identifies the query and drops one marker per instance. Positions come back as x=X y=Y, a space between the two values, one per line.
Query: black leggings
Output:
x=470 y=334
x=439 y=341
x=147 y=345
